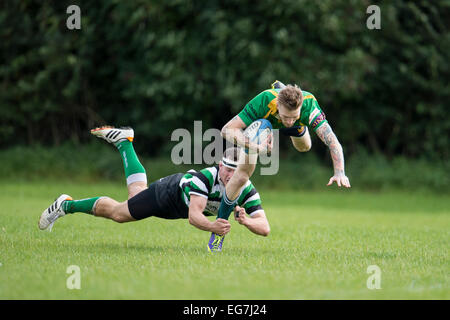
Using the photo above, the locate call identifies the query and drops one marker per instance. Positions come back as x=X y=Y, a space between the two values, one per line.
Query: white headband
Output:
x=229 y=163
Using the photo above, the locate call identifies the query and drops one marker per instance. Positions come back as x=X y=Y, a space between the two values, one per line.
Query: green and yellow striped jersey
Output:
x=206 y=183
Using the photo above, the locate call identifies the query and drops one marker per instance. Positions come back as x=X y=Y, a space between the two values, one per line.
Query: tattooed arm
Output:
x=327 y=135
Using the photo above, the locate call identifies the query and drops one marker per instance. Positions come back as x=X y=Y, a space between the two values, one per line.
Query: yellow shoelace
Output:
x=216 y=242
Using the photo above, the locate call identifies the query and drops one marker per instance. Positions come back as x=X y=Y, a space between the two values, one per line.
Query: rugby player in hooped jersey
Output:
x=192 y=195
x=292 y=111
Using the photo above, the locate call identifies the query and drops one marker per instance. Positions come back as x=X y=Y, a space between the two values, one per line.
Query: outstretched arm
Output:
x=327 y=135
x=198 y=219
x=257 y=223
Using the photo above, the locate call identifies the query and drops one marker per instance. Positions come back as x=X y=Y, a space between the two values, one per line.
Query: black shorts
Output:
x=162 y=199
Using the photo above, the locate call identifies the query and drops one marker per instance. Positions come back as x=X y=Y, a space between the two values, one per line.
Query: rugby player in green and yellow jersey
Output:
x=192 y=195
x=292 y=111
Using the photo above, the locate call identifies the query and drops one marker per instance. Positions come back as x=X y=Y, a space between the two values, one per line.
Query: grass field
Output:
x=320 y=247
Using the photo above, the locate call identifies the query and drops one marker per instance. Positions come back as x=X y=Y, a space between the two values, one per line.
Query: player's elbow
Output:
x=302 y=145
x=225 y=131
x=265 y=231
x=230 y=129
x=304 y=148
x=192 y=221
x=191 y=218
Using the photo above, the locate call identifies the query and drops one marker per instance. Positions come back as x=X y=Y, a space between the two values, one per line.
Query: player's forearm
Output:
x=235 y=136
x=258 y=226
x=337 y=154
x=198 y=220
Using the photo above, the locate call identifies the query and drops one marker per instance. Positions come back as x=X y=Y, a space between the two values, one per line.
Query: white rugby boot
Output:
x=114 y=135
x=49 y=216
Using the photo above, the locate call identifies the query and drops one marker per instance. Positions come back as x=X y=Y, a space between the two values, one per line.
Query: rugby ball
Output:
x=257 y=132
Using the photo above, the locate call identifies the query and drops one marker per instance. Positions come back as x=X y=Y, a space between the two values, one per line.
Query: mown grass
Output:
x=320 y=246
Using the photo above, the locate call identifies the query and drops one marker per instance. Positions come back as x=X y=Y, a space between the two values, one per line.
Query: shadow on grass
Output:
x=165 y=250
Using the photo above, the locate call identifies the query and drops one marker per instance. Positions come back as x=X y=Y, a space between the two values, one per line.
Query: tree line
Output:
x=161 y=65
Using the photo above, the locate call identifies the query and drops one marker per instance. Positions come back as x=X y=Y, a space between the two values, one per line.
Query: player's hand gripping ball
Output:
x=257 y=133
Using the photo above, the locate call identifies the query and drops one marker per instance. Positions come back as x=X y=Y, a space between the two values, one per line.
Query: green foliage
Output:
x=160 y=65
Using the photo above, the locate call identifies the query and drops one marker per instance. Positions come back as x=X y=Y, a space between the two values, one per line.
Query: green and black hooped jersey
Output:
x=264 y=106
x=206 y=183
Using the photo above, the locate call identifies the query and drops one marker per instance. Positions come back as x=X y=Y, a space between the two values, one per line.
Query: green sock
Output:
x=226 y=207
x=134 y=171
x=83 y=205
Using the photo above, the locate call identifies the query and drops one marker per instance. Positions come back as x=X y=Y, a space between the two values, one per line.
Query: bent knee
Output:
x=304 y=148
x=121 y=214
x=134 y=190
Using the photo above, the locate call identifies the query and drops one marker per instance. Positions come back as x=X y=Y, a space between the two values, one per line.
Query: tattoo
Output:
x=329 y=138
x=245 y=142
